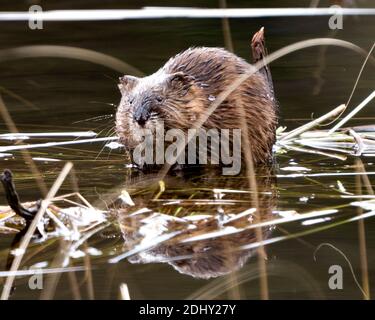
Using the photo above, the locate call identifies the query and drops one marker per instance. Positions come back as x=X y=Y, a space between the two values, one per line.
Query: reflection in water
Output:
x=208 y=224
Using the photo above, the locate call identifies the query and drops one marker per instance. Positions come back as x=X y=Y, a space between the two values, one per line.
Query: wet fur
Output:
x=183 y=89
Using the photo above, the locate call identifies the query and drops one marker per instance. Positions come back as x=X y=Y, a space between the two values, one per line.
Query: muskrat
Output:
x=183 y=89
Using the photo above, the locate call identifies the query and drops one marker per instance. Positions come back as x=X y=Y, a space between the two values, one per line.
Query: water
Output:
x=58 y=94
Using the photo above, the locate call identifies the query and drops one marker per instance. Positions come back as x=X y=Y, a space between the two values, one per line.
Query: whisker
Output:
x=104 y=144
x=105 y=103
x=97 y=118
x=106 y=126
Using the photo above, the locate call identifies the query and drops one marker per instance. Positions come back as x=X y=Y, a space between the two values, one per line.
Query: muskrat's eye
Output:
x=159 y=98
x=131 y=100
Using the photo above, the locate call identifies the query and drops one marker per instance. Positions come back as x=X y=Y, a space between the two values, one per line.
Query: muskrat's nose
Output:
x=141 y=121
x=142 y=114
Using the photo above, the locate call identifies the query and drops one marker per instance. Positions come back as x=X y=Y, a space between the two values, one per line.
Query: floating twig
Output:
x=22 y=136
x=12 y=197
x=55 y=144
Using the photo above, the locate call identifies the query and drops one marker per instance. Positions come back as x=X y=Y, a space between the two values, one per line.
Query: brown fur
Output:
x=183 y=89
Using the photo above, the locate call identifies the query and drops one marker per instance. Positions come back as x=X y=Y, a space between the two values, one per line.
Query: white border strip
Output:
x=158 y=13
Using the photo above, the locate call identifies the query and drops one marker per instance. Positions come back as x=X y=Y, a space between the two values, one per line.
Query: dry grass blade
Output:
x=26 y=239
x=272 y=222
x=307 y=232
x=317 y=152
x=44 y=51
x=360 y=73
x=349 y=264
x=352 y=141
x=362 y=232
x=226 y=28
x=21 y=273
x=353 y=112
x=124 y=292
x=25 y=154
x=55 y=144
x=327 y=174
x=308 y=126
x=21 y=135
x=19 y=98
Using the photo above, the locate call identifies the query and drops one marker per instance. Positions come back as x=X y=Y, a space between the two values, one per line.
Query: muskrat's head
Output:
x=169 y=100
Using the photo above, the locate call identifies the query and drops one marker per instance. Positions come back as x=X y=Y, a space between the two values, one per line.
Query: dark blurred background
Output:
x=71 y=86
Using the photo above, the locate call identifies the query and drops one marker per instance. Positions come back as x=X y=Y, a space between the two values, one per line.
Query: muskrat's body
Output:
x=179 y=93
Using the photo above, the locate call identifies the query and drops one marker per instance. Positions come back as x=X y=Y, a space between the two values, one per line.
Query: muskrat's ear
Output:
x=127 y=82
x=180 y=80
